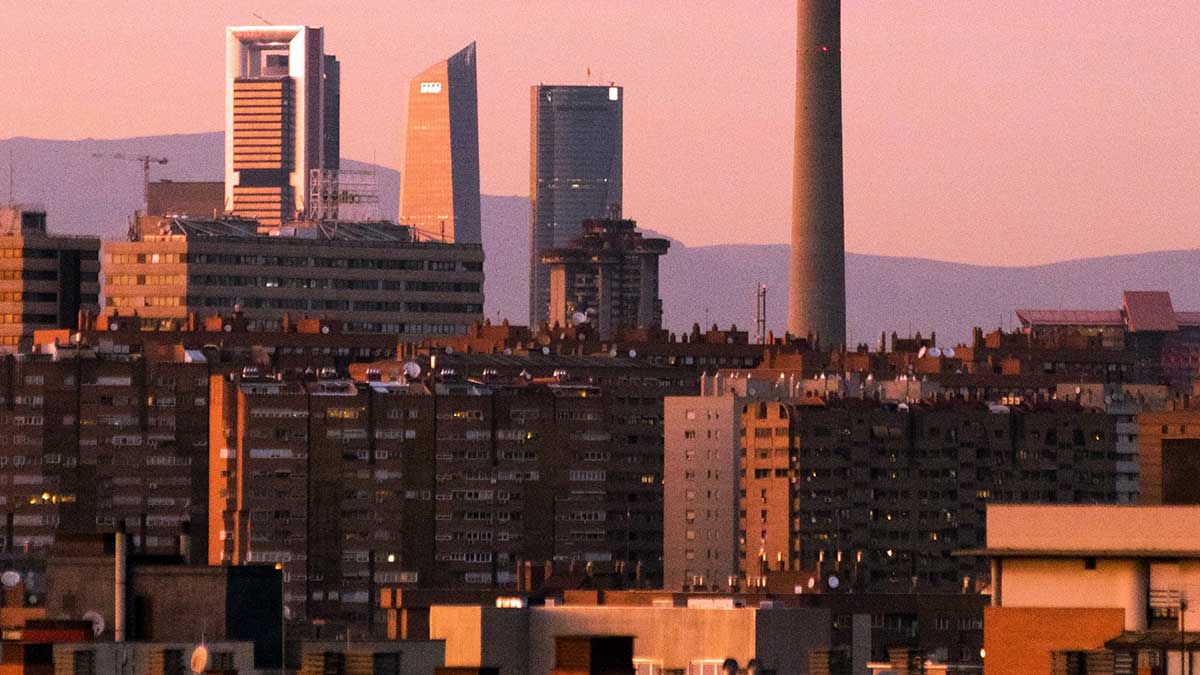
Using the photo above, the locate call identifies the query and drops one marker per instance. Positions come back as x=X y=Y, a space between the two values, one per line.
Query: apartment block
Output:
x=46 y=279
x=372 y=276
x=607 y=276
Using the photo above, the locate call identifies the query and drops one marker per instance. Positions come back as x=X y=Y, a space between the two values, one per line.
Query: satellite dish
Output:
x=633 y=353
x=613 y=352
x=199 y=660
x=508 y=351
x=412 y=370
x=812 y=582
x=921 y=353
x=97 y=621
x=228 y=328
x=449 y=349
x=935 y=352
x=10 y=578
x=579 y=317
x=324 y=330
x=834 y=582
x=948 y=352
x=545 y=351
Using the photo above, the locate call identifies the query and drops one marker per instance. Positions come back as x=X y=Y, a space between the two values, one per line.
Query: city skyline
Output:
x=1021 y=160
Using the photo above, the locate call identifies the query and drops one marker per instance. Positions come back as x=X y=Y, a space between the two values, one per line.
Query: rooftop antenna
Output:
x=261 y=18
x=10 y=176
x=761 y=314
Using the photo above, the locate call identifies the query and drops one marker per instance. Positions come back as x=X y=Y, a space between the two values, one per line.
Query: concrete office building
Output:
x=608 y=277
x=440 y=195
x=817 y=303
x=575 y=173
x=45 y=279
x=373 y=276
x=1091 y=589
x=276 y=119
x=696 y=639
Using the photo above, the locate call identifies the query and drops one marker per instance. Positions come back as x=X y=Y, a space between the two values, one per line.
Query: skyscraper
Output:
x=440 y=195
x=574 y=173
x=276 y=111
x=818 y=277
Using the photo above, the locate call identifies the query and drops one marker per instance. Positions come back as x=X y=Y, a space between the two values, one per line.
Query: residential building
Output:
x=46 y=279
x=1082 y=589
x=375 y=277
x=1168 y=451
x=575 y=172
x=277 y=120
x=440 y=194
x=608 y=276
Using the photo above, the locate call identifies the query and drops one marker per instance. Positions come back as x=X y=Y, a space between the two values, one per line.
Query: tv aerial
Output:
x=96 y=619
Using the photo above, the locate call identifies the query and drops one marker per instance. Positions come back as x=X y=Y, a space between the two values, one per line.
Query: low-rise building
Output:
x=375 y=277
x=1081 y=589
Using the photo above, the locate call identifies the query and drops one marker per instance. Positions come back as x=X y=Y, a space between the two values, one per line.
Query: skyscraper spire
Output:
x=817 y=302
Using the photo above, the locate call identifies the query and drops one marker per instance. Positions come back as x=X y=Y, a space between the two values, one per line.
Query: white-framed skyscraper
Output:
x=275 y=119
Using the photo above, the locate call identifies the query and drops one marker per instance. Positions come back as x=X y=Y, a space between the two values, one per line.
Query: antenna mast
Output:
x=760 y=318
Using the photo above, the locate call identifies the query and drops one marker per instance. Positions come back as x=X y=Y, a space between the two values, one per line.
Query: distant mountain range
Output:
x=706 y=285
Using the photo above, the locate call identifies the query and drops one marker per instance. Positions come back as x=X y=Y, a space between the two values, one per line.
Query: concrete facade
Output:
x=522 y=640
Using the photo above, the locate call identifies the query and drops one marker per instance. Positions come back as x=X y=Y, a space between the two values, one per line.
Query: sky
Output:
x=1012 y=133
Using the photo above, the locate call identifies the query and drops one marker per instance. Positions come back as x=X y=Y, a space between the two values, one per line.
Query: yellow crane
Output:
x=146 y=161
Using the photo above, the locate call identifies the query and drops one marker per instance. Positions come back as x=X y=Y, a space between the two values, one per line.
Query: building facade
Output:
x=275 y=119
x=608 y=276
x=575 y=172
x=440 y=193
x=374 y=277
x=46 y=280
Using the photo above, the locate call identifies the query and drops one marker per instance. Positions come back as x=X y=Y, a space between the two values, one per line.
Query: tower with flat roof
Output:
x=817 y=302
x=440 y=194
x=278 y=125
x=574 y=173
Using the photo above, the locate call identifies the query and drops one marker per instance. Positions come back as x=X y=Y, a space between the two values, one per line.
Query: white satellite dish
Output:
x=633 y=353
x=578 y=318
x=449 y=349
x=199 y=659
x=96 y=619
x=812 y=582
x=10 y=578
x=948 y=352
x=921 y=353
x=412 y=370
x=545 y=351
x=935 y=352
x=834 y=582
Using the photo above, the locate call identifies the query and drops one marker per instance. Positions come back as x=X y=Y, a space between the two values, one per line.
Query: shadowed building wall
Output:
x=818 y=278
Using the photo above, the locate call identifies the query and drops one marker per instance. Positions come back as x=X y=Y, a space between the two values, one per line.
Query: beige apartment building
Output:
x=45 y=279
x=373 y=276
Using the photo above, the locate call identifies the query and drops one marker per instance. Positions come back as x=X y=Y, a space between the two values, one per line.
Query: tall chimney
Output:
x=817 y=302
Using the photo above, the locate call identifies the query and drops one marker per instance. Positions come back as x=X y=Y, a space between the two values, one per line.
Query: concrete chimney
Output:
x=817 y=301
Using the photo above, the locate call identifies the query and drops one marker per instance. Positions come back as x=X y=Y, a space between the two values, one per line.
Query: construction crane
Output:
x=146 y=160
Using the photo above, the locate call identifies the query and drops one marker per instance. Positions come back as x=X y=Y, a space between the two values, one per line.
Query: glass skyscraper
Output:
x=574 y=173
x=440 y=194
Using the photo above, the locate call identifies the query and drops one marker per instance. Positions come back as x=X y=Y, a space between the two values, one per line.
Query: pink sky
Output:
x=1011 y=132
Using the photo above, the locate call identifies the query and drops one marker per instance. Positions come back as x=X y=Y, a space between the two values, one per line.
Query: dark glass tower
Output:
x=574 y=173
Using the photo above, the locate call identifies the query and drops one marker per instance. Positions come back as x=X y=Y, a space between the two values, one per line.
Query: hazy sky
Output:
x=1012 y=132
